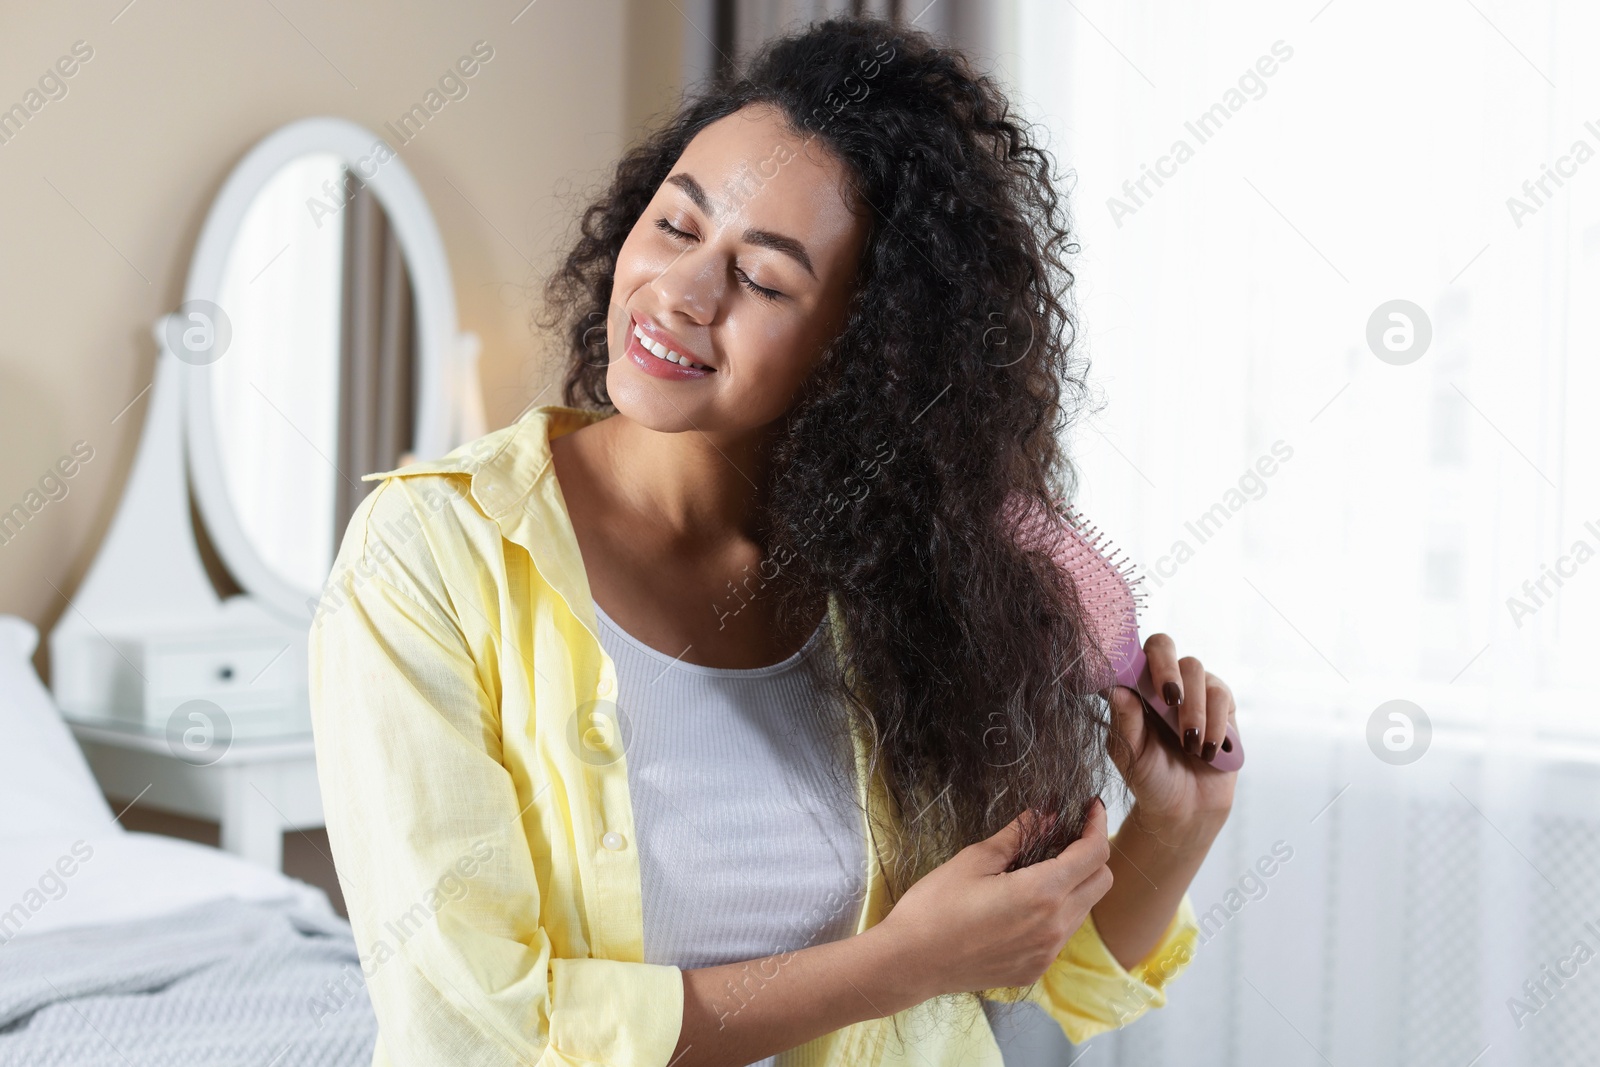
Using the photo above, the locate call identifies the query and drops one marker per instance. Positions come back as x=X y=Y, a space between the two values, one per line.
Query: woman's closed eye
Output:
x=745 y=280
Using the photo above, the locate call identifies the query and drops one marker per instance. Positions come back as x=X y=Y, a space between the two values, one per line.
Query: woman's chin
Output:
x=668 y=406
x=651 y=405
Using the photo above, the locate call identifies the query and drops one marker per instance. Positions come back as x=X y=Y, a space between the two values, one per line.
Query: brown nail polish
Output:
x=1208 y=752
x=1191 y=740
x=1227 y=744
x=1172 y=694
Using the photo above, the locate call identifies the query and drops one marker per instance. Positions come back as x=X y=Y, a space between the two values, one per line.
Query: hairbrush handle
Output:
x=1130 y=666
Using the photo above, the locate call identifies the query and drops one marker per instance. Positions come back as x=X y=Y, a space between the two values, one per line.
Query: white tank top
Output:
x=743 y=782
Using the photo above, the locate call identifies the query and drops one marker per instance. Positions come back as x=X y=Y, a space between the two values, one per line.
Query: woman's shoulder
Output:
x=465 y=459
x=421 y=519
x=410 y=534
x=431 y=521
x=424 y=498
x=505 y=460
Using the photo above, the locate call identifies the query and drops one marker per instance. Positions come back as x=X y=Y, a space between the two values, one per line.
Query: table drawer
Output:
x=238 y=674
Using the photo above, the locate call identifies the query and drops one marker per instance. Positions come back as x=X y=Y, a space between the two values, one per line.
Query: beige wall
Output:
x=103 y=192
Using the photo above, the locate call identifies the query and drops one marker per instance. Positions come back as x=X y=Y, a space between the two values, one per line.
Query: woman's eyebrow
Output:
x=761 y=238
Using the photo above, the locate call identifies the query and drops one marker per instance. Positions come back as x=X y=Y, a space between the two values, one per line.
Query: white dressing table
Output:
x=317 y=341
x=255 y=791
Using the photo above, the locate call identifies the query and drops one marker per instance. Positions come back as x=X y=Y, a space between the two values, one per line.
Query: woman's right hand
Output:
x=970 y=925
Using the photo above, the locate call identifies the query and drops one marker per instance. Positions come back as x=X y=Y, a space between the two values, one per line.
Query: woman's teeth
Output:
x=661 y=351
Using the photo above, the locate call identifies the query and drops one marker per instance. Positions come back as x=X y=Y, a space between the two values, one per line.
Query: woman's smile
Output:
x=660 y=355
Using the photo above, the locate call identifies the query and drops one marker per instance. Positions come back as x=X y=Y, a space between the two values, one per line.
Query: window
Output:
x=1255 y=186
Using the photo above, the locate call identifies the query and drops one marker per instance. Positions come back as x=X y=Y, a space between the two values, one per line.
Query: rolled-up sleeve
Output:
x=1088 y=992
x=428 y=835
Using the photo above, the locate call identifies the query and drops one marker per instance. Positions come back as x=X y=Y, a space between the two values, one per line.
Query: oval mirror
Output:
x=318 y=339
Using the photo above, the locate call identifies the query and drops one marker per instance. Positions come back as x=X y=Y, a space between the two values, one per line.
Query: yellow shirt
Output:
x=476 y=796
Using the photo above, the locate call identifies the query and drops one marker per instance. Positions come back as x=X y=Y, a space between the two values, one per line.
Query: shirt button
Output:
x=607 y=687
x=613 y=841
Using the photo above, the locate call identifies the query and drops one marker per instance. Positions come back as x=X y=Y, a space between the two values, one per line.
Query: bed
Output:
x=120 y=947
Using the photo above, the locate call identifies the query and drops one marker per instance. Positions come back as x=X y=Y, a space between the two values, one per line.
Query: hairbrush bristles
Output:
x=1109 y=584
x=1110 y=591
x=1107 y=550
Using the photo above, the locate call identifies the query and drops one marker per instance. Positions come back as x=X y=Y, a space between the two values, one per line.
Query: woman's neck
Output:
x=666 y=524
x=696 y=487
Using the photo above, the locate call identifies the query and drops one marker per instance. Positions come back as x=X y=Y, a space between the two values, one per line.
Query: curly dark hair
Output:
x=966 y=659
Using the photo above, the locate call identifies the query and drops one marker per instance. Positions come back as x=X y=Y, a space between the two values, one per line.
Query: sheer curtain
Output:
x=1339 y=282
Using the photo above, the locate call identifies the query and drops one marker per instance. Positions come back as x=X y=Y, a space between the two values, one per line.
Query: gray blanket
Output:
x=226 y=983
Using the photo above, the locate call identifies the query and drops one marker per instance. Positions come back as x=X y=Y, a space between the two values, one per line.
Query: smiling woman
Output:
x=734 y=278
x=811 y=833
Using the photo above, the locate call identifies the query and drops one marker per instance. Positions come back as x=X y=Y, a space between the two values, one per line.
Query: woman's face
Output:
x=744 y=264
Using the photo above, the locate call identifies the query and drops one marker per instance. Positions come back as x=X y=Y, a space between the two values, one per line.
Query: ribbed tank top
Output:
x=743 y=784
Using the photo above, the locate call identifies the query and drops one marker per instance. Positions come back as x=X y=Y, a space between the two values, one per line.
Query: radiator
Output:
x=1446 y=912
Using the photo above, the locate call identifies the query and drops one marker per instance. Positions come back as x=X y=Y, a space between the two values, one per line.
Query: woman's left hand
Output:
x=1172 y=786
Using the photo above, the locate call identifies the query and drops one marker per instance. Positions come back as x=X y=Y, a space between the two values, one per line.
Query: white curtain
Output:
x=1331 y=522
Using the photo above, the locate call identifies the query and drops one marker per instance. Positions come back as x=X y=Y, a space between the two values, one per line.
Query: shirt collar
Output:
x=513 y=482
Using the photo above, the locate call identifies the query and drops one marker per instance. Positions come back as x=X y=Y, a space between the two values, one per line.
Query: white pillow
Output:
x=46 y=786
x=56 y=881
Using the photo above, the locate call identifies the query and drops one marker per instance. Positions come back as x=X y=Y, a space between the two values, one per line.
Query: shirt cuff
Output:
x=1088 y=992
x=613 y=1012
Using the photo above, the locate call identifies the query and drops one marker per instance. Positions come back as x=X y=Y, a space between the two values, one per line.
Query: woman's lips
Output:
x=657 y=367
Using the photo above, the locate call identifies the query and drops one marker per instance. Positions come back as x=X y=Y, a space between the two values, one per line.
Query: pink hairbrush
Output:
x=1105 y=588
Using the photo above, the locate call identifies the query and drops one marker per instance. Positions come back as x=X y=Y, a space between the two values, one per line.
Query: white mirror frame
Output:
x=440 y=351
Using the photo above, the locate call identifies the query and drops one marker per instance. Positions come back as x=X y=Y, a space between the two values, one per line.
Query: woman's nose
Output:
x=692 y=284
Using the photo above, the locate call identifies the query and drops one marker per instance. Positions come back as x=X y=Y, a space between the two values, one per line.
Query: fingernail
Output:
x=1173 y=695
x=1227 y=744
x=1208 y=751
x=1191 y=740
